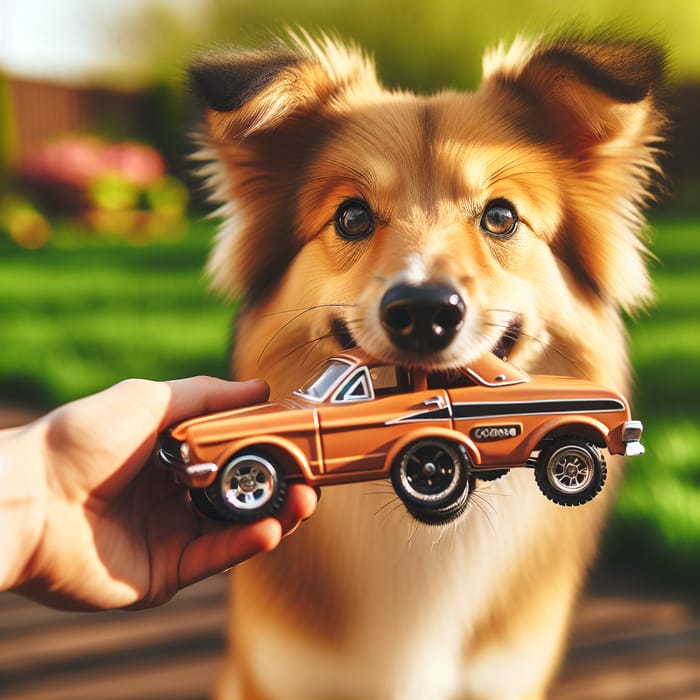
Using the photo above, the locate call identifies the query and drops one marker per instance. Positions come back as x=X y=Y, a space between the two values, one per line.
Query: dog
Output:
x=427 y=230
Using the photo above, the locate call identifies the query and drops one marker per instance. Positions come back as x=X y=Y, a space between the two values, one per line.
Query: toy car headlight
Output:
x=185 y=452
x=632 y=431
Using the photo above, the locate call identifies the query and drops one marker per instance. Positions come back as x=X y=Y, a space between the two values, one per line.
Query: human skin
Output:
x=88 y=521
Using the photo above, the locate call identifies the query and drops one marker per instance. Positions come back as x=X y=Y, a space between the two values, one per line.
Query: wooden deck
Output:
x=622 y=648
x=169 y=652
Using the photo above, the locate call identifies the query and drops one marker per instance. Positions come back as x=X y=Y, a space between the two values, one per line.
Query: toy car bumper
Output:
x=191 y=475
x=631 y=436
x=634 y=448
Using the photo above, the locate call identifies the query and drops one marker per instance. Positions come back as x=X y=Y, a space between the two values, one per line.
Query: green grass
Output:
x=657 y=525
x=78 y=318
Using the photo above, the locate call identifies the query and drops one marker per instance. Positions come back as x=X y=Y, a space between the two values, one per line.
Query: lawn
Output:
x=657 y=525
x=77 y=318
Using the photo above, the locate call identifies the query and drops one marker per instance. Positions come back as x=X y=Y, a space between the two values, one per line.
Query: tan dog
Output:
x=427 y=230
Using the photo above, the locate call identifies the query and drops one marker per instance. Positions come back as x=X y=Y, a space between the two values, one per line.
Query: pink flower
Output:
x=136 y=163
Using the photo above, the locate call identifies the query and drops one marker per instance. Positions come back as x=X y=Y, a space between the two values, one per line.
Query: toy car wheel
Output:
x=249 y=487
x=570 y=471
x=204 y=505
x=431 y=478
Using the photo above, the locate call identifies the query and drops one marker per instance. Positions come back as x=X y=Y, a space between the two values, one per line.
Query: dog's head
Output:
x=430 y=229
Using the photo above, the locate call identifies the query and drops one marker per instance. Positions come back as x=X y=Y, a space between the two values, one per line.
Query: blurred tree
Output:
x=417 y=44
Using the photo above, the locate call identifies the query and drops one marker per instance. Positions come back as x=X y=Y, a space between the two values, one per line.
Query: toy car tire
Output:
x=249 y=487
x=441 y=516
x=570 y=471
x=491 y=474
x=204 y=505
x=431 y=478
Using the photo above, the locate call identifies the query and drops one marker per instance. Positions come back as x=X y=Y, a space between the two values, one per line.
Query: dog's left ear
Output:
x=588 y=91
x=596 y=102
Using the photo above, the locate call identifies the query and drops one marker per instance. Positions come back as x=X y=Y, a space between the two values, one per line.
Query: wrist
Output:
x=22 y=501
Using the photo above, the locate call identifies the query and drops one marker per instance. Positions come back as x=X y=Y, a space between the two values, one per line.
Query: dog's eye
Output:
x=354 y=220
x=499 y=218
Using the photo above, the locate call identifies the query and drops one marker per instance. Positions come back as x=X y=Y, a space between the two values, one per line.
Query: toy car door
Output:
x=369 y=411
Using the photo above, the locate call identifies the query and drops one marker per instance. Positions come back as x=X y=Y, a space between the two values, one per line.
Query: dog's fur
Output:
x=364 y=602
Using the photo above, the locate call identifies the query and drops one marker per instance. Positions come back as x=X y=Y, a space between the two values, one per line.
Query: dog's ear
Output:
x=588 y=91
x=251 y=91
x=265 y=113
x=597 y=103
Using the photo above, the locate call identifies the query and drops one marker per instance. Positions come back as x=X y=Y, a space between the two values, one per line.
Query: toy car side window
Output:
x=389 y=380
x=357 y=388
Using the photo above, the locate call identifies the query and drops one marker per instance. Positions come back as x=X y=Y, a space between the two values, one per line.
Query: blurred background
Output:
x=103 y=232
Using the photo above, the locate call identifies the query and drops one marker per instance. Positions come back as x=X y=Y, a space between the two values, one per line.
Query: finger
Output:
x=299 y=505
x=220 y=549
x=198 y=395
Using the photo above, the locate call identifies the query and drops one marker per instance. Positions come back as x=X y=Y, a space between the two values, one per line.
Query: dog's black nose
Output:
x=422 y=319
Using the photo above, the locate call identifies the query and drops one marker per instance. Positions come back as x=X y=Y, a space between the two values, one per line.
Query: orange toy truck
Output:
x=357 y=419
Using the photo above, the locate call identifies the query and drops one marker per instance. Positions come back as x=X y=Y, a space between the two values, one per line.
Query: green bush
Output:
x=657 y=528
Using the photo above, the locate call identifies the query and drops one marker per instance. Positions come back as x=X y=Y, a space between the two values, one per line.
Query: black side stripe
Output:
x=441 y=414
x=496 y=409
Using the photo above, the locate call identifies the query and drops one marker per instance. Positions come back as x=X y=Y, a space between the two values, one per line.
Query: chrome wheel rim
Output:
x=249 y=482
x=570 y=469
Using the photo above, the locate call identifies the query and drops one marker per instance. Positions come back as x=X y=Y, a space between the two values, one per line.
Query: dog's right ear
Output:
x=250 y=91
x=264 y=113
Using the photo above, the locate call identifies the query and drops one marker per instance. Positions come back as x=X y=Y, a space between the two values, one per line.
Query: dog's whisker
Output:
x=384 y=506
x=441 y=533
x=298 y=314
x=306 y=309
x=386 y=491
x=390 y=512
x=310 y=349
x=281 y=330
x=312 y=342
x=542 y=343
x=478 y=501
x=481 y=494
x=484 y=492
x=412 y=532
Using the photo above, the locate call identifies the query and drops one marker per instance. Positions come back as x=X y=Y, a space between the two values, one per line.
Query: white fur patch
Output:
x=508 y=60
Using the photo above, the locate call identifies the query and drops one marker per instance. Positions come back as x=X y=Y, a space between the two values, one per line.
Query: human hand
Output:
x=91 y=523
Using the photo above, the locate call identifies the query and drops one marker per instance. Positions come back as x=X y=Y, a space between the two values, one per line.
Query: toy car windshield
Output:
x=320 y=385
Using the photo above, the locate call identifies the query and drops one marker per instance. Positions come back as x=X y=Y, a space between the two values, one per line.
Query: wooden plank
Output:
x=178 y=679
x=171 y=651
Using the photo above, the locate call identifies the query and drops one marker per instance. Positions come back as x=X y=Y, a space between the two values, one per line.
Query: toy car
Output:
x=357 y=419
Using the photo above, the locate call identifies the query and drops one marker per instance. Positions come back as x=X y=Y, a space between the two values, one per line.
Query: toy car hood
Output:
x=262 y=416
